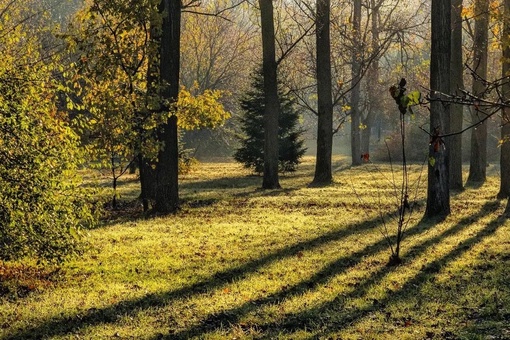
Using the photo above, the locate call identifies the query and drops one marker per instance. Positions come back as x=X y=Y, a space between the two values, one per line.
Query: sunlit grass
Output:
x=297 y=263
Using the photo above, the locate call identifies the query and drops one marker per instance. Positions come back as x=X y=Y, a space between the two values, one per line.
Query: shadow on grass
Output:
x=314 y=318
x=311 y=319
x=60 y=326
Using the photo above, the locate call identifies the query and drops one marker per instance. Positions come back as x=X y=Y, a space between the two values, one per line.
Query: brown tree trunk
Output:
x=504 y=189
x=148 y=178
x=373 y=84
x=355 y=93
x=456 y=110
x=323 y=173
x=438 y=194
x=167 y=193
x=272 y=106
x=478 y=159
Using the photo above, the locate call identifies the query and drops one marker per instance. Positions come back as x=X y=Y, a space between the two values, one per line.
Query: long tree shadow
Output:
x=60 y=326
x=310 y=318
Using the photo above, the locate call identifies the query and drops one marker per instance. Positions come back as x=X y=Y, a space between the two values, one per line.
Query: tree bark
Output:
x=148 y=177
x=356 y=79
x=272 y=106
x=438 y=194
x=504 y=189
x=373 y=84
x=167 y=188
x=478 y=159
x=323 y=172
x=456 y=110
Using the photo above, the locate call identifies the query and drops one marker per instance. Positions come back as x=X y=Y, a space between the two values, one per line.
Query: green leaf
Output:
x=432 y=161
x=413 y=98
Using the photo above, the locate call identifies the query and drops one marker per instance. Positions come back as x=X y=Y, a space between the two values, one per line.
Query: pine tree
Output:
x=251 y=152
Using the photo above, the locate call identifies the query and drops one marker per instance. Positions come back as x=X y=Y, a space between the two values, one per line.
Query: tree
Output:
x=456 y=110
x=438 y=194
x=478 y=159
x=271 y=106
x=323 y=172
x=290 y=144
x=373 y=86
x=41 y=206
x=504 y=189
x=356 y=86
x=107 y=81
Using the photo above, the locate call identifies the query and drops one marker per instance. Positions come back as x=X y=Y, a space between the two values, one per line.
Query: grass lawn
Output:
x=238 y=262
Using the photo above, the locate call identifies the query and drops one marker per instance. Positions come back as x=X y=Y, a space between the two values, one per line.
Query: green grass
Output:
x=238 y=262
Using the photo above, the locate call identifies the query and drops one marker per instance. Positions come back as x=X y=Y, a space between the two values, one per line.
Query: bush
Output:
x=41 y=206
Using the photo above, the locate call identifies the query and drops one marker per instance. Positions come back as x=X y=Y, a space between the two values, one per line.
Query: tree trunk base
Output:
x=394 y=261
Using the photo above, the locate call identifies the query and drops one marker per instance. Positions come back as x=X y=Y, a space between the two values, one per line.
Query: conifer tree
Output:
x=251 y=152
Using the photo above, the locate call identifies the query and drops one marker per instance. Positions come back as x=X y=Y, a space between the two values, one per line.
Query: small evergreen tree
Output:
x=251 y=152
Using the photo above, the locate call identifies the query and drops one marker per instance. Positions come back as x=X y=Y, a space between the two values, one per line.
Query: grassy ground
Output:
x=298 y=263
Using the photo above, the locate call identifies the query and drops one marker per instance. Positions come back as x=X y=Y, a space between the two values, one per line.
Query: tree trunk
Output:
x=478 y=159
x=504 y=189
x=323 y=172
x=438 y=194
x=355 y=93
x=373 y=84
x=456 y=110
x=272 y=106
x=167 y=193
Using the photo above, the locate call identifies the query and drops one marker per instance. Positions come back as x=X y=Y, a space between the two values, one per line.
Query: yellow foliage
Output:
x=203 y=110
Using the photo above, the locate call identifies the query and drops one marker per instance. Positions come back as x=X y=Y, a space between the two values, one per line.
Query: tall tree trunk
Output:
x=478 y=159
x=272 y=106
x=438 y=191
x=373 y=83
x=323 y=172
x=504 y=189
x=167 y=188
x=148 y=178
x=456 y=110
x=356 y=79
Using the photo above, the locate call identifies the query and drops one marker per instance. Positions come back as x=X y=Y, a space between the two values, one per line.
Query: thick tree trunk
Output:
x=272 y=106
x=438 y=193
x=323 y=172
x=478 y=159
x=167 y=193
x=504 y=189
x=355 y=93
x=456 y=110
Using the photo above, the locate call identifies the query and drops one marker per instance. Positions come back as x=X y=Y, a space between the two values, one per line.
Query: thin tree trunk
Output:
x=438 y=194
x=456 y=110
x=167 y=188
x=272 y=106
x=478 y=159
x=355 y=93
x=323 y=172
x=373 y=87
x=504 y=189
